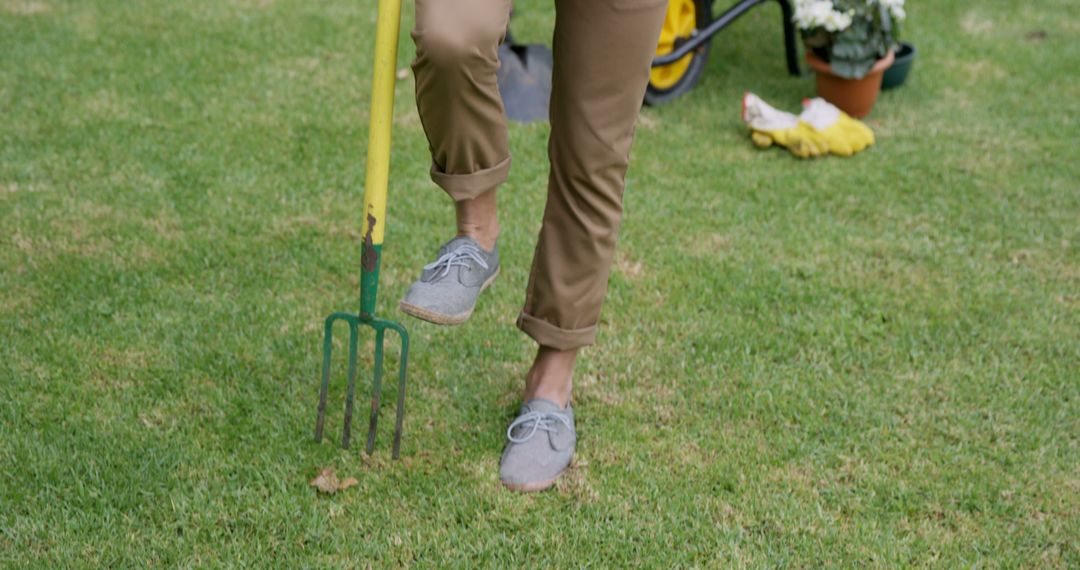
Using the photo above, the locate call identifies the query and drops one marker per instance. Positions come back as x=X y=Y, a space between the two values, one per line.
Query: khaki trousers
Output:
x=602 y=54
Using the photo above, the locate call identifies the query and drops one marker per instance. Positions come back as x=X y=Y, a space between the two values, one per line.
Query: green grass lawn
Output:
x=854 y=362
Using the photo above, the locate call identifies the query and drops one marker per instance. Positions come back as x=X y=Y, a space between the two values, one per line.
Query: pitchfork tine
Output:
x=327 y=348
x=376 y=389
x=346 y=431
x=403 y=365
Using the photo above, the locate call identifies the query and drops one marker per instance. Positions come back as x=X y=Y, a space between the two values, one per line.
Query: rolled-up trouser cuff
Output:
x=468 y=186
x=547 y=334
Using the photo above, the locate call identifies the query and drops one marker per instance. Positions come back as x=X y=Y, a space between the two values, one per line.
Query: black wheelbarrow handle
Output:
x=684 y=46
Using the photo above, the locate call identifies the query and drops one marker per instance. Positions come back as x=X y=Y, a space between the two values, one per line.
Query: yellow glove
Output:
x=843 y=135
x=801 y=140
x=769 y=126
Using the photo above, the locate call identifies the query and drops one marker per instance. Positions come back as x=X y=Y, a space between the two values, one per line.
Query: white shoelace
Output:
x=460 y=256
x=540 y=421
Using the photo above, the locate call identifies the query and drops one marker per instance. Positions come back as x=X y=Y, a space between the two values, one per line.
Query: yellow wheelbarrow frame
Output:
x=683 y=47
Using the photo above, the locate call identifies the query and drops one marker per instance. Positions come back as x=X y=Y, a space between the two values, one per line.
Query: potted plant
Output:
x=905 y=58
x=849 y=46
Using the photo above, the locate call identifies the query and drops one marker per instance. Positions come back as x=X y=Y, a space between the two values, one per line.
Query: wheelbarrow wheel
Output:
x=683 y=20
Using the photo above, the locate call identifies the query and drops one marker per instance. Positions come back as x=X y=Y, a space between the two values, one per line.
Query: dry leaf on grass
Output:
x=327 y=482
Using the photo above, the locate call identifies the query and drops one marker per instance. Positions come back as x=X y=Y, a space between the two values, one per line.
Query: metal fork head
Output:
x=380 y=326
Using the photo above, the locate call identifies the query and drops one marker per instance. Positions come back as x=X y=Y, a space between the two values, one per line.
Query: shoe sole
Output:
x=534 y=487
x=441 y=319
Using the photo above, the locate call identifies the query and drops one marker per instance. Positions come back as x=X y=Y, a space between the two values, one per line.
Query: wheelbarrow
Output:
x=683 y=48
x=525 y=70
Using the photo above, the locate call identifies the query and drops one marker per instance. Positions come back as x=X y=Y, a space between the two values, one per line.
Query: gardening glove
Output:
x=844 y=135
x=769 y=126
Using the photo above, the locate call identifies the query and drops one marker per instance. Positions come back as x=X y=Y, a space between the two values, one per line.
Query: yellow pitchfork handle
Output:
x=387 y=28
x=382 y=117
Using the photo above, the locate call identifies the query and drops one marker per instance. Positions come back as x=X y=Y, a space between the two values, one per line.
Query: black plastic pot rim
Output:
x=905 y=52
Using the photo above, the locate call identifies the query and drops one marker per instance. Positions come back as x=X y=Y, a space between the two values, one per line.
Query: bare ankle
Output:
x=478 y=219
x=486 y=237
x=551 y=376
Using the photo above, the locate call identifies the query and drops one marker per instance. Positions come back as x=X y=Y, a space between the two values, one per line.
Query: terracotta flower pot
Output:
x=855 y=97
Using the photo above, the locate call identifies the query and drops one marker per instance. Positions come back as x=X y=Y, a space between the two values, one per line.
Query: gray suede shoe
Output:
x=447 y=290
x=540 y=444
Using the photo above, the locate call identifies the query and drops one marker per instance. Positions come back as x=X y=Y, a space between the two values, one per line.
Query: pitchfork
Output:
x=378 y=171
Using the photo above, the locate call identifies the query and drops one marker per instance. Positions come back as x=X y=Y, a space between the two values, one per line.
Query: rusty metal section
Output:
x=369 y=258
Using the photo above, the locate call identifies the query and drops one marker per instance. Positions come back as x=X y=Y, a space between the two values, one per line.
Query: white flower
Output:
x=835 y=21
x=811 y=14
x=896 y=9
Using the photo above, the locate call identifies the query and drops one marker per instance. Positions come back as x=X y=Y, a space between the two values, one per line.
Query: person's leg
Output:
x=602 y=52
x=457 y=97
